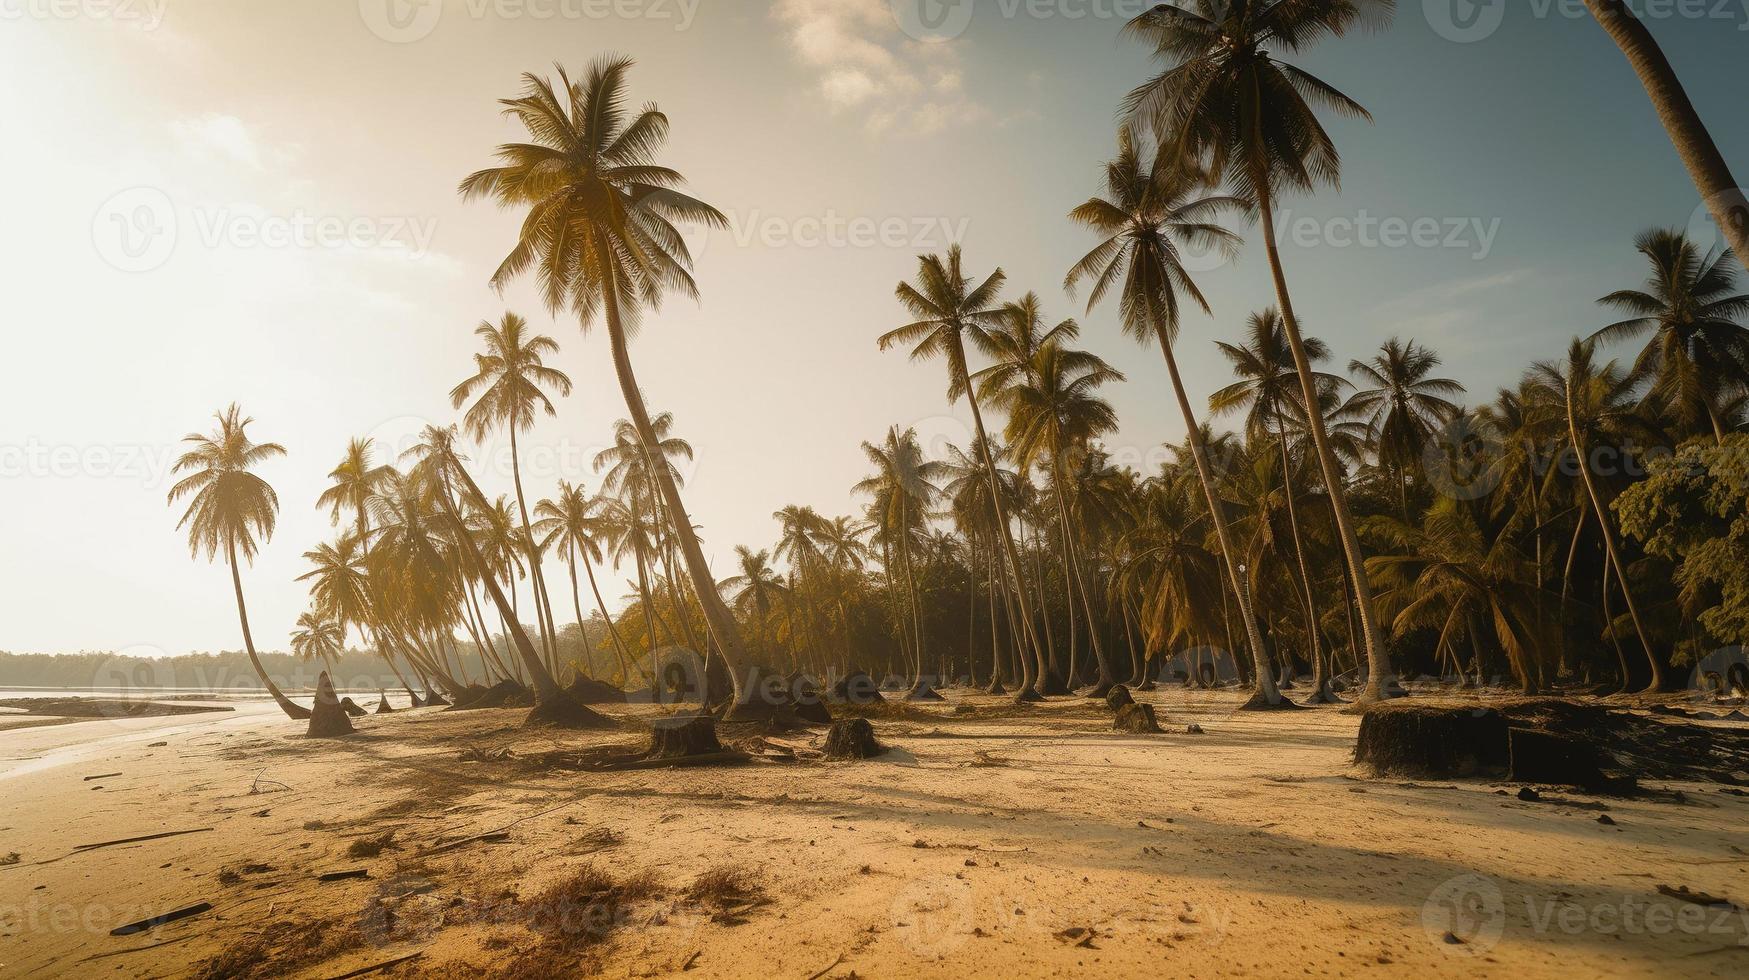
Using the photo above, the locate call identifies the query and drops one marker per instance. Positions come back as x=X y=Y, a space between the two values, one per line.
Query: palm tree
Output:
x=631 y=474
x=573 y=523
x=599 y=231
x=903 y=487
x=1227 y=98
x=508 y=390
x=1404 y=409
x=1149 y=214
x=1706 y=165
x=1268 y=391
x=755 y=588
x=1595 y=400
x=317 y=638
x=230 y=508
x=948 y=308
x=1698 y=355
x=1054 y=412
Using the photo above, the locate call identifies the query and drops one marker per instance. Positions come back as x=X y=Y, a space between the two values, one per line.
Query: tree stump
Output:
x=1117 y=697
x=852 y=738
x=681 y=736
x=352 y=708
x=1544 y=757
x=327 y=718
x=560 y=711
x=383 y=702
x=856 y=687
x=1137 y=719
x=923 y=692
x=1431 y=742
x=587 y=690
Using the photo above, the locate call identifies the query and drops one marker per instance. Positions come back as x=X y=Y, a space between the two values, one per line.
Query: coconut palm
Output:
x=755 y=588
x=1697 y=356
x=599 y=233
x=1150 y=214
x=1722 y=194
x=631 y=474
x=508 y=389
x=228 y=510
x=317 y=638
x=573 y=523
x=1404 y=409
x=1268 y=392
x=903 y=487
x=1054 y=411
x=948 y=308
x=1228 y=98
x=1597 y=408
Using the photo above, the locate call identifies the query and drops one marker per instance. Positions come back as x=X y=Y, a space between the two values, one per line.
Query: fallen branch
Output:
x=105 y=775
x=493 y=833
x=158 y=920
x=135 y=840
x=375 y=967
x=344 y=875
x=817 y=974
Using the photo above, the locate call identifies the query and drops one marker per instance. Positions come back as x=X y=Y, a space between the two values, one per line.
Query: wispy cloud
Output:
x=864 y=64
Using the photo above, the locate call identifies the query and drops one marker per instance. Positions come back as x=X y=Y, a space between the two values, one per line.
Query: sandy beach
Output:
x=987 y=842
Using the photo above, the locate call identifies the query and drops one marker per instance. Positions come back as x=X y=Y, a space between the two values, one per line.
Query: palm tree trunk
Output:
x=1264 y=691
x=1313 y=634
x=1706 y=165
x=1071 y=560
x=1050 y=678
x=548 y=641
x=716 y=614
x=1377 y=659
x=619 y=646
x=1609 y=543
x=1029 y=680
x=296 y=712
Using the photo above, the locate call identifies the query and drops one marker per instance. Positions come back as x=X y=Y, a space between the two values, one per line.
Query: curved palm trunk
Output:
x=1377 y=659
x=1031 y=674
x=1706 y=165
x=1320 y=673
x=619 y=646
x=296 y=712
x=1609 y=545
x=1050 y=676
x=548 y=641
x=1263 y=682
x=1071 y=561
x=716 y=614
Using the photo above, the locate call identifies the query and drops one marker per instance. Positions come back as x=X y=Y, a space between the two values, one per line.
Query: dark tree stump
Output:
x=681 y=736
x=1137 y=719
x=561 y=711
x=856 y=687
x=1423 y=741
x=327 y=718
x=1117 y=697
x=504 y=694
x=383 y=703
x=435 y=700
x=996 y=687
x=852 y=738
x=587 y=690
x=1544 y=757
x=352 y=709
x=923 y=692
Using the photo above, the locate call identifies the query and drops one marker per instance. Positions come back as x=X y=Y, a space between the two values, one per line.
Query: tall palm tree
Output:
x=1054 y=412
x=317 y=638
x=1595 y=400
x=1268 y=391
x=1697 y=356
x=755 y=588
x=599 y=232
x=508 y=389
x=1227 y=98
x=1724 y=197
x=1404 y=409
x=1151 y=211
x=572 y=522
x=948 y=308
x=903 y=487
x=230 y=508
x=631 y=473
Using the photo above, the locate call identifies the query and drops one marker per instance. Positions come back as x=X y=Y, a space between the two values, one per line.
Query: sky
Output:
x=207 y=201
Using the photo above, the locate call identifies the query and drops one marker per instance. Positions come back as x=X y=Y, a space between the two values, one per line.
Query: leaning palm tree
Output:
x=573 y=523
x=1404 y=409
x=1596 y=407
x=948 y=308
x=509 y=389
x=1697 y=356
x=1227 y=98
x=599 y=233
x=1151 y=211
x=230 y=508
x=1722 y=194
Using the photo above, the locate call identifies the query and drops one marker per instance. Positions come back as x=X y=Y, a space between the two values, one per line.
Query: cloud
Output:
x=214 y=135
x=863 y=63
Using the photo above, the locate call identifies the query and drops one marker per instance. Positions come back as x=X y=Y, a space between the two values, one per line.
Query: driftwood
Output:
x=344 y=875
x=376 y=967
x=101 y=776
x=135 y=840
x=158 y=920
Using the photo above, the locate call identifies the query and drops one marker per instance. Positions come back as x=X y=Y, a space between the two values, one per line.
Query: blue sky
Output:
x=797 y=117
